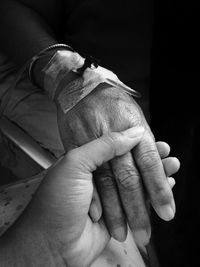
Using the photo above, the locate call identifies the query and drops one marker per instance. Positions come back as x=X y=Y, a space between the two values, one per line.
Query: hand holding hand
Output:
x=121 y=182
x=126 y=182
x=60 y=207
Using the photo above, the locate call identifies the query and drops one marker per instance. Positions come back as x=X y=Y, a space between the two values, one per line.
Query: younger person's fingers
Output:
x=163 y=149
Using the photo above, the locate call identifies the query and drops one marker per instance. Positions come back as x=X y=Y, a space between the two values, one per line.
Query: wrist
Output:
x=40 y=60
x=37 y=74
x=60 y=71
x=68 y=78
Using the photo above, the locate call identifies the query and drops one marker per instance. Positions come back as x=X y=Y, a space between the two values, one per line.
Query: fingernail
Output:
x=166 y=212
x=134 y=132
x=94 y=212
x=141 y=237
x=119 y=234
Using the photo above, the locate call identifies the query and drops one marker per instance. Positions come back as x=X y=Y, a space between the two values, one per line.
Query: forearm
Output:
x=23 y=246
x=23 y=31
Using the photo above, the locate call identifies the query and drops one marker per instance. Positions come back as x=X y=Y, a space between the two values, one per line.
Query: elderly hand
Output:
x=127 y=181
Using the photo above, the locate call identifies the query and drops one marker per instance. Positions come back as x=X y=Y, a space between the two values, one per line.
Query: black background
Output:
x=175 y=118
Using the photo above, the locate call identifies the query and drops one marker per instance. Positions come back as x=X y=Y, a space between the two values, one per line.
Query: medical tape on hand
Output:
x=57 y=69
x=73 y=92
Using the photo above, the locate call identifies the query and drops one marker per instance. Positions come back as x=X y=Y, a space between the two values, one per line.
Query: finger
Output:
x=163 y=149
x=151 y=168
x=171 y=182
x=95 y=210
x=93 y=154
x=171 y=165
x=132 y=197
x=112 y=210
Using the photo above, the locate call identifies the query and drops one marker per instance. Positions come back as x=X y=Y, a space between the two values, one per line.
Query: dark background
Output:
x=175 y=119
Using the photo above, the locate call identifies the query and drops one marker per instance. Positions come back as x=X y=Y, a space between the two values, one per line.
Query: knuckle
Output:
x=129 y=179
x=136 y=118
x=149 y=159
x=104 y=178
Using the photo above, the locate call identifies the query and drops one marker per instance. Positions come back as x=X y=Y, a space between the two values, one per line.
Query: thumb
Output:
x=93 y=154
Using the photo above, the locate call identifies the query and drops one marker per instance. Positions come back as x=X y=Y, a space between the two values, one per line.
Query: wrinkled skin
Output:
x=120 y=183
x=57 y=221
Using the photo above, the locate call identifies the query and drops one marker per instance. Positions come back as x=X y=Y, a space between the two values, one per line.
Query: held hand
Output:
x=60 y=207
x=109 y=109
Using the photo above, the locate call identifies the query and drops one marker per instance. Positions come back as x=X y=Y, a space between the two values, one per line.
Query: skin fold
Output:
x=57 y=221
x=109 y=109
